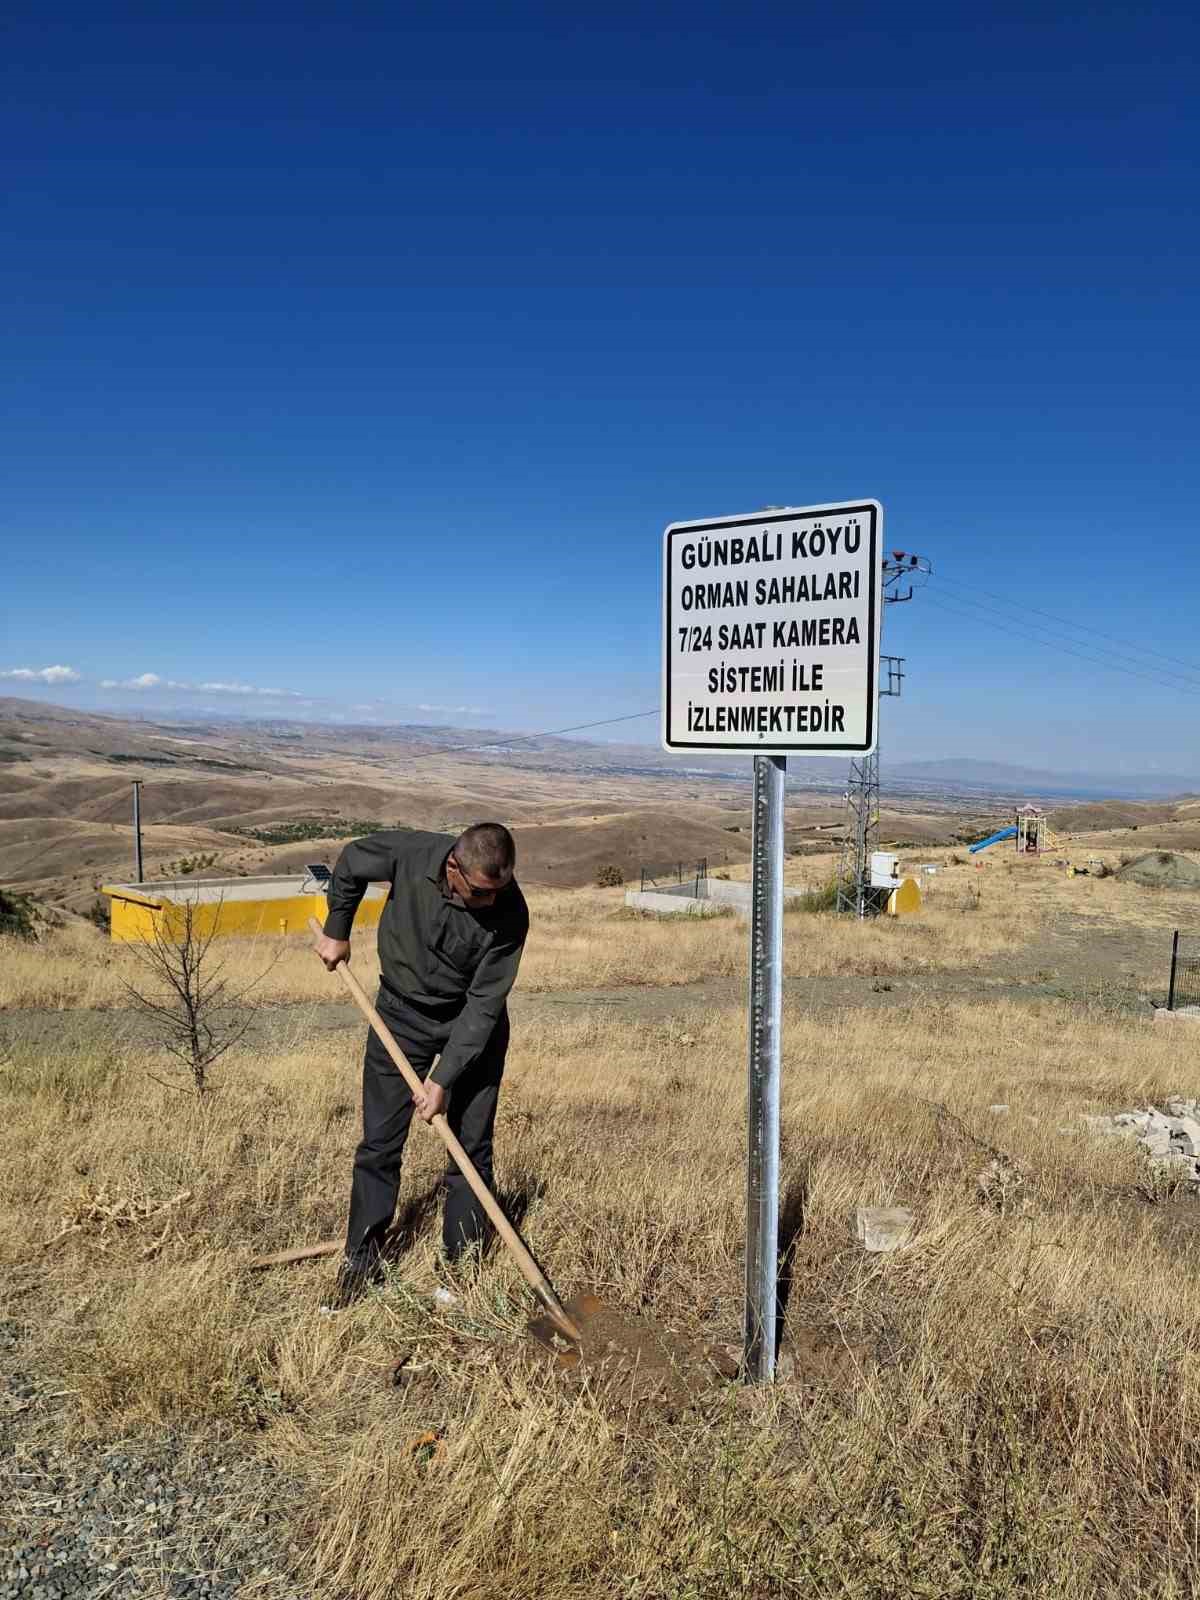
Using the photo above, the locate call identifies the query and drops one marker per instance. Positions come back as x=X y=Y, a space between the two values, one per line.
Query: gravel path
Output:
x=158 y=1518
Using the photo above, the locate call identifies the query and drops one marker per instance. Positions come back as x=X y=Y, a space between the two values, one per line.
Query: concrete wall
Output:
x=674 y=902
x=680 y=900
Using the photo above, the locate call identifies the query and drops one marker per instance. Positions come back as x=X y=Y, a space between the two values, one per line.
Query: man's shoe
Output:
x=351 y=1284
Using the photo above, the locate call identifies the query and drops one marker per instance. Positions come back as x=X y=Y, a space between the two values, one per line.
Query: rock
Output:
x=883 y=1228
x=1132 y=1119
x=1156 y=1142
x=998 y=1111
x=1176 y=1106
x=1184 y=1135
x=726 y=1358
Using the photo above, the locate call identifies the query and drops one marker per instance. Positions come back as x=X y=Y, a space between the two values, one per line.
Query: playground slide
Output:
x=995 y=838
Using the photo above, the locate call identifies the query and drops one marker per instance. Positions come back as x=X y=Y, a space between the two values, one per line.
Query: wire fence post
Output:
x=766 y=1008
x=1174 y=964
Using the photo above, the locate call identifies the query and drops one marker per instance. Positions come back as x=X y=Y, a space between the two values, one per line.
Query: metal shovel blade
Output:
x=547 y=1330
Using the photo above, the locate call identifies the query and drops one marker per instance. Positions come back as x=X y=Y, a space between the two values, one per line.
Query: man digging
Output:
x=450 y=942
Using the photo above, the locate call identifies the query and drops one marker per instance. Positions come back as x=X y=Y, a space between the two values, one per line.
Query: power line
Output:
x=953 y=608
x=1082 y=627
x=1074 y=646
x=529 y=738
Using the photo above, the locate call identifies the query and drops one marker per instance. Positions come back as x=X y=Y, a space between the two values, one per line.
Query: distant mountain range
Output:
x=949 y=776
x=964 y=773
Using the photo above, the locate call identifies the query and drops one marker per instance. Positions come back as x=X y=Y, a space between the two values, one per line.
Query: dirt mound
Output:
x=1162 y=869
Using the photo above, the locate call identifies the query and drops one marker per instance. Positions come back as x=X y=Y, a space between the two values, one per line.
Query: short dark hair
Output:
x=486 y=847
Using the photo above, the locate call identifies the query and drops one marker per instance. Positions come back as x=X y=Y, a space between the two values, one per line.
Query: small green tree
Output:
x=17 y=915
x=100 y=913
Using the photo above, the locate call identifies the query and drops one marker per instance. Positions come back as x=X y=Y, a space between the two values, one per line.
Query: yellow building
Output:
x=226 y=906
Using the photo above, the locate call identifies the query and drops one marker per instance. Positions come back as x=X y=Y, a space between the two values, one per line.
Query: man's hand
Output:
x=333 y=951
x=432 y=1099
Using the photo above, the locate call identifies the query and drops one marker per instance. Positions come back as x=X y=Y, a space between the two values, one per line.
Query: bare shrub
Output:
x=197 y=1014
x=610 y=877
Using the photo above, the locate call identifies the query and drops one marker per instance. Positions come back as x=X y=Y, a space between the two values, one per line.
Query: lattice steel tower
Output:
x=862 y=794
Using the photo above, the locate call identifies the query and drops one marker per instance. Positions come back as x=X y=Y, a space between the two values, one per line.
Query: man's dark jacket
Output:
x=438 y=955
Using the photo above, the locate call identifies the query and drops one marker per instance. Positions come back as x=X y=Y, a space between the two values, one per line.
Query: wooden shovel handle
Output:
x=530 y=1271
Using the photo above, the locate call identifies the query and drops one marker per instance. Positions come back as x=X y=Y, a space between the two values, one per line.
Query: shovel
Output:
x=560 y=1323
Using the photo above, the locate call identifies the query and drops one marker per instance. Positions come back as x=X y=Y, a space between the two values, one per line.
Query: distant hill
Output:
x=29 y=728
x=271 y=795
x=963 y=773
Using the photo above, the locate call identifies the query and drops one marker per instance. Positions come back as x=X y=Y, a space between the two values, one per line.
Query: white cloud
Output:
x=152 y=680
x=148 y=680
x=144 y=680
x=249 y=688
x=458 y=711
x=42 y=674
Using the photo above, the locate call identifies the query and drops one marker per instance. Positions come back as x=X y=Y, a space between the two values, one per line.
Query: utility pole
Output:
x=862 y=793
x=137 y=831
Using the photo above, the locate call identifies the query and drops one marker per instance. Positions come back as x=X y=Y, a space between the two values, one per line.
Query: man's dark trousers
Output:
x=387 y=1113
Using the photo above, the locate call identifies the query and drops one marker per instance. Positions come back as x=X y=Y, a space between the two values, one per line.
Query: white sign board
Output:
x=771 y=631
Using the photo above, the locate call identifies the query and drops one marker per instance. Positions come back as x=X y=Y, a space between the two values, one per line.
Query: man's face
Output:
x=473 y=888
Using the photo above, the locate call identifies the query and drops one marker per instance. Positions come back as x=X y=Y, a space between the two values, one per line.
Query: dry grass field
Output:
x=1006 y=1407
x=584 y=939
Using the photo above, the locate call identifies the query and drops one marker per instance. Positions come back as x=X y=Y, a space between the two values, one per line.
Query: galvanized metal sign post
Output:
x=771 y=644
x=762 y=1101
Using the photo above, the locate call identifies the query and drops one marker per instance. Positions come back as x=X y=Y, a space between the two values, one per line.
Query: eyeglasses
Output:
x=475 y=891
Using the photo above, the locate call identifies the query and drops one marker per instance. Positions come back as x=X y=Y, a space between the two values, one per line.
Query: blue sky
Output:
x=365 y=356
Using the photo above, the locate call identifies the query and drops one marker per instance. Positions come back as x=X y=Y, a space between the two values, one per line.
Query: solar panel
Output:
x=319 y=878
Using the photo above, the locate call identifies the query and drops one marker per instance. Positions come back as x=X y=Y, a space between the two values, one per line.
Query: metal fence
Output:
x=677 y=872
x=1183 y=989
